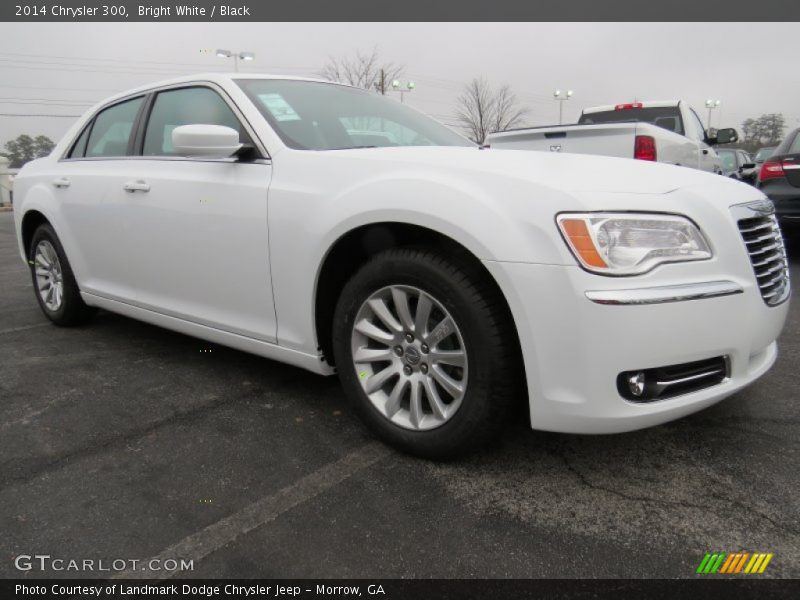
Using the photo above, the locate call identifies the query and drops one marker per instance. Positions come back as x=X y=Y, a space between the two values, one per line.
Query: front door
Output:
x=197 y=238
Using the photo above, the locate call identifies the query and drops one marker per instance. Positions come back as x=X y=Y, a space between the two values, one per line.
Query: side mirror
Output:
x=209 y=141
x=724 y=136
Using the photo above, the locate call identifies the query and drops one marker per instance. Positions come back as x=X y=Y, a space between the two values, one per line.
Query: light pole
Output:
x=398 y=87
x=561 y=97
x=237 y=56
x=710 y=105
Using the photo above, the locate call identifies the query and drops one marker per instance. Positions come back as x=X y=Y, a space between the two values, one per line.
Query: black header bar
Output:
x=743 y=588
x=404 y=10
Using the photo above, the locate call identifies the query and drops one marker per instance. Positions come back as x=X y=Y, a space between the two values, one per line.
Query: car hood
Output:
x=567 y=172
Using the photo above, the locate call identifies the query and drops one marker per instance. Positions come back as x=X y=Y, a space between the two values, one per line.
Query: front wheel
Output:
x=426 y=352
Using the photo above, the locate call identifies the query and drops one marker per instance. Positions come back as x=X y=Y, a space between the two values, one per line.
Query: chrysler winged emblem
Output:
x=555 y=148
x=763 y=206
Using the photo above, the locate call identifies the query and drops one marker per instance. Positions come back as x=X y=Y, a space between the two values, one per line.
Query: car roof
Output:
x=216 y=77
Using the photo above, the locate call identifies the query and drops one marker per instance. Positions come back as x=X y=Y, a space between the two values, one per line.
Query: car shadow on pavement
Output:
x=708 y=481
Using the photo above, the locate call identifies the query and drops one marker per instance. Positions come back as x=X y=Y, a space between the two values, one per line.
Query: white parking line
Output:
x=206 y=541
x=24 y=327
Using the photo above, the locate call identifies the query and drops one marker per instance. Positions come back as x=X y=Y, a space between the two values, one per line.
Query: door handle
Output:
x=136 y=186
x=61 y=182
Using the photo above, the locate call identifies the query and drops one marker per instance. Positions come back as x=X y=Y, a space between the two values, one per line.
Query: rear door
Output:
x=95 y=215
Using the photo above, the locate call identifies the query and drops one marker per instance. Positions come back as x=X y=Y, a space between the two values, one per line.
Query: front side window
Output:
x=310 y=115
x=186 y=106
x=112 y=129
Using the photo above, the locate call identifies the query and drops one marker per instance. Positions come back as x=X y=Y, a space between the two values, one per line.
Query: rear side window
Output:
x=79 y=148
x=112 y=128
x=667 y=117
x=187 y=106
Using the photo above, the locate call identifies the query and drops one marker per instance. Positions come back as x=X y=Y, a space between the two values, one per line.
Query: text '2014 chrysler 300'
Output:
x=340 y=231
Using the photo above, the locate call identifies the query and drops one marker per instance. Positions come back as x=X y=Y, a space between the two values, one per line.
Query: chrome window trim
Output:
x=155 y=90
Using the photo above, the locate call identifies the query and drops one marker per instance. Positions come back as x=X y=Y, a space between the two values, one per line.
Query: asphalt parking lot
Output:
x=123 y=440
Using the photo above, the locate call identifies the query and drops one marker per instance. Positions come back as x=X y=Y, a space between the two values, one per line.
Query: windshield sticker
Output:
x=279 y=108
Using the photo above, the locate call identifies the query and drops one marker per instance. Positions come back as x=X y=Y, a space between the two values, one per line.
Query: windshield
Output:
x=728 y=159
x=667 y=117
x=309 y=115
x=764 y=153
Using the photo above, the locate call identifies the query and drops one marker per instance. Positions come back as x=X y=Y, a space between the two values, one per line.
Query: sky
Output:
x=62 y=68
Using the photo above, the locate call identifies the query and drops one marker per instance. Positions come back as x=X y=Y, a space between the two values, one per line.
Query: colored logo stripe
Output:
x=728 y=562
x=744 y=557
x=736 y=562
x=711 y=562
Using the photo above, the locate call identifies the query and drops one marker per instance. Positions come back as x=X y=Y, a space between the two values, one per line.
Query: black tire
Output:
x=492 y=349
x=73 y=310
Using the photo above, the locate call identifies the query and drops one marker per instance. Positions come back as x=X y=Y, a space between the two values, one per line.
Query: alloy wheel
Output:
x=49 y=277
x=410 y=357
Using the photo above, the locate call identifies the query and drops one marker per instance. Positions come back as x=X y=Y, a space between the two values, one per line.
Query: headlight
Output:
x=631 y=243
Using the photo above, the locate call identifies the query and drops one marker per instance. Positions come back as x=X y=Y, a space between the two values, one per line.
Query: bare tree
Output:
x=364 y=70
x=482 y=110
x=474 y=107
x=507 y=113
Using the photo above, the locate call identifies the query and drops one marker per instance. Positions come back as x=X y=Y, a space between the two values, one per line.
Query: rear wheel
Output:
x=426 y=352
x=53 y=282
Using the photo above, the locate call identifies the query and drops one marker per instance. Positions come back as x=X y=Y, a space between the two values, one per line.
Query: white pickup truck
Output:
x=663 y=131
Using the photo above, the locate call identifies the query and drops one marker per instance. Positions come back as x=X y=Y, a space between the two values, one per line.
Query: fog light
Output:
x=636 y=383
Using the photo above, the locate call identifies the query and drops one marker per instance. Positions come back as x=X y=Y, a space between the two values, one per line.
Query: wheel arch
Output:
x=355 y=247
x=31 y=221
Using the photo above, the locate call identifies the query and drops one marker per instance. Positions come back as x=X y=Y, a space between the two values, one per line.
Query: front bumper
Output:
x=575 y=347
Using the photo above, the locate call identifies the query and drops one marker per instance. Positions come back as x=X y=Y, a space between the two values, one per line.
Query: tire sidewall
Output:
x=71 y=293
x=452 y=292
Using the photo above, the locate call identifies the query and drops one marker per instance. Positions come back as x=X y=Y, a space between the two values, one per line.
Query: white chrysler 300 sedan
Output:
x=335 y=229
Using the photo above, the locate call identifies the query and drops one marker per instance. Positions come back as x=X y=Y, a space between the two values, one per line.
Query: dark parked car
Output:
x=779 y=178
x=737 y=164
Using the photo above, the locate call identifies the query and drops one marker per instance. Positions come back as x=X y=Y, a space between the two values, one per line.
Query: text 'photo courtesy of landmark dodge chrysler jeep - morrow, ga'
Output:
x=338 y=230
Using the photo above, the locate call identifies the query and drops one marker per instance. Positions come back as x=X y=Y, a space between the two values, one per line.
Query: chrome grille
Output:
x=764 y=243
